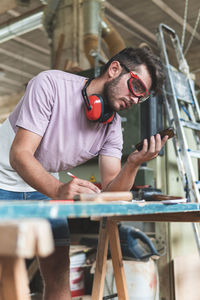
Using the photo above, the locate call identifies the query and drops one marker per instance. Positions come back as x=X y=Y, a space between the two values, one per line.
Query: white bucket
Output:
x=141 y=277
x=77 y=285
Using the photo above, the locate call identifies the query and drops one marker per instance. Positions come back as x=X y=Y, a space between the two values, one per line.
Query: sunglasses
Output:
x=136 y=86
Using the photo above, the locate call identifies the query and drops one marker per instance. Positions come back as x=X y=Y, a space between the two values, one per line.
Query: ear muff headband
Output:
x=85 y=96
x=95 y=108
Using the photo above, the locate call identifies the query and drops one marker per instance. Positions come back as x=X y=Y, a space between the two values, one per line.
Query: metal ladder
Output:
x=183 y=115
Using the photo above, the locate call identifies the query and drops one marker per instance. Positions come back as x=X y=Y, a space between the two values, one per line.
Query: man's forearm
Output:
x=124 y=180
x=33 y=173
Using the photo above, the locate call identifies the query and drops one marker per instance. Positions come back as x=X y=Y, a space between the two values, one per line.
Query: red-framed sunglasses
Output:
x=136 y=86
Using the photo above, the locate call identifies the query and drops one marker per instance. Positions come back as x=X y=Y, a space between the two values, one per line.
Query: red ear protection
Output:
x=95 y=108
x=94 y=112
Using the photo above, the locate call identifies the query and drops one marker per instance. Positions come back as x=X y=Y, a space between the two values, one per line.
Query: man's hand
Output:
x=115 y=178
x=74 y=187
x=148 y=152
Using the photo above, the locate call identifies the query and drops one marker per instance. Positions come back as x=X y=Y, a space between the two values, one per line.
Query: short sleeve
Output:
x=36 y=107
x=114 y=140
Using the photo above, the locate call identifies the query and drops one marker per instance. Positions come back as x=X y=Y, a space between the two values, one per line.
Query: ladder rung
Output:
x=194 y=153
x=185 y=100
x=189 y=124
x=197 y=182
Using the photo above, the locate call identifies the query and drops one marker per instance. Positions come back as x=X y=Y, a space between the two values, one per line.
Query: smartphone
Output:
x=168 y=131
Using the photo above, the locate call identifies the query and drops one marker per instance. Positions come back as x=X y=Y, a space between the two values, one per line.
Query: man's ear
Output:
x=114 y=69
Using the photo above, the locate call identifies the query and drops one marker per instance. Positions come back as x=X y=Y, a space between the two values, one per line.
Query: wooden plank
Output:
x=17 y=241
x=105 y=196
x=56 y=209
x=14 y=281
x=117 y=260
x=100 y=271
x=26 y=238
x=44 y=237
x=156 y=217
x=21 y=239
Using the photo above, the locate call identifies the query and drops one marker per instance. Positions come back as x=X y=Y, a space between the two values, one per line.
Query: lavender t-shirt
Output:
x=53 y=107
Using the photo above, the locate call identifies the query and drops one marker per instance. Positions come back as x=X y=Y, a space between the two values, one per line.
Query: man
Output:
x=51 y=130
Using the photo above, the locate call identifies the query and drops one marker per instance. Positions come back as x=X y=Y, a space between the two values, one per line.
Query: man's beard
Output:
x=110 y=92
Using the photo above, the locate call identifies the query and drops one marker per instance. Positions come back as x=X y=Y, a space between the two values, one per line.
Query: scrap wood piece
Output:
x=105 y=196
x=26 y=238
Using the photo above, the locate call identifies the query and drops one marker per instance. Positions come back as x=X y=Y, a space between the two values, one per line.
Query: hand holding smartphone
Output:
x=168 y=131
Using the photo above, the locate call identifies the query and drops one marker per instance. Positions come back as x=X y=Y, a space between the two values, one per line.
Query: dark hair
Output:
x=133 y=57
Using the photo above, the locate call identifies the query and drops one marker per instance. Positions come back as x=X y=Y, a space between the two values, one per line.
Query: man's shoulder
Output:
x=117 y=120
x=58 y=75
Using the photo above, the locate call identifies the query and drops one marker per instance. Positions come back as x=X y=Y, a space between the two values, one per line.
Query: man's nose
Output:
x=134 y=99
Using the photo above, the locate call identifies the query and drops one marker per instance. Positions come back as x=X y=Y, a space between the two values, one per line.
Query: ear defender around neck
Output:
x=95 y=108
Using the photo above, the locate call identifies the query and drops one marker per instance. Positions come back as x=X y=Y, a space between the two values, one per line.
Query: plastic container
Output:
x=142 y=280
x=77 y=285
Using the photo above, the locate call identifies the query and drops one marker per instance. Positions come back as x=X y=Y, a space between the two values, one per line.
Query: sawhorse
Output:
x=19 y=240
x=109 y=233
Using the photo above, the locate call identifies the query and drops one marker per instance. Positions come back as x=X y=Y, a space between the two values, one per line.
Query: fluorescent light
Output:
x=21 y=27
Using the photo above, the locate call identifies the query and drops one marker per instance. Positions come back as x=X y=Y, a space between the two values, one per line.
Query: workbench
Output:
x=109 y=214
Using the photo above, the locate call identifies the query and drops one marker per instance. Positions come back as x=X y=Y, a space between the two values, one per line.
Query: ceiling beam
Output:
x=130 y=21
x=22 y=26
x=10 y=81
x=175 y=16
x=4 y=89
x=24 y=59
x=16 y=71
x=31 y=45
x=15 y=14
x=130 y=31
x=25 y=42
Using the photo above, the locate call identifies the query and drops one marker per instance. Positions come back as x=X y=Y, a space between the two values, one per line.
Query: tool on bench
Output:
x=153 y=194
x=147 y=194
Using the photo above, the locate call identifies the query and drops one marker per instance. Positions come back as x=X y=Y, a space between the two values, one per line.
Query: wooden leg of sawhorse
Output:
x=117 y=260
x=102 y=251
x=13 y=279
x=109 y=232
x=20 y=239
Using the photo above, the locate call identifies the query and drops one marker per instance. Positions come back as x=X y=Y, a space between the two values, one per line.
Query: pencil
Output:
x=71 y=175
